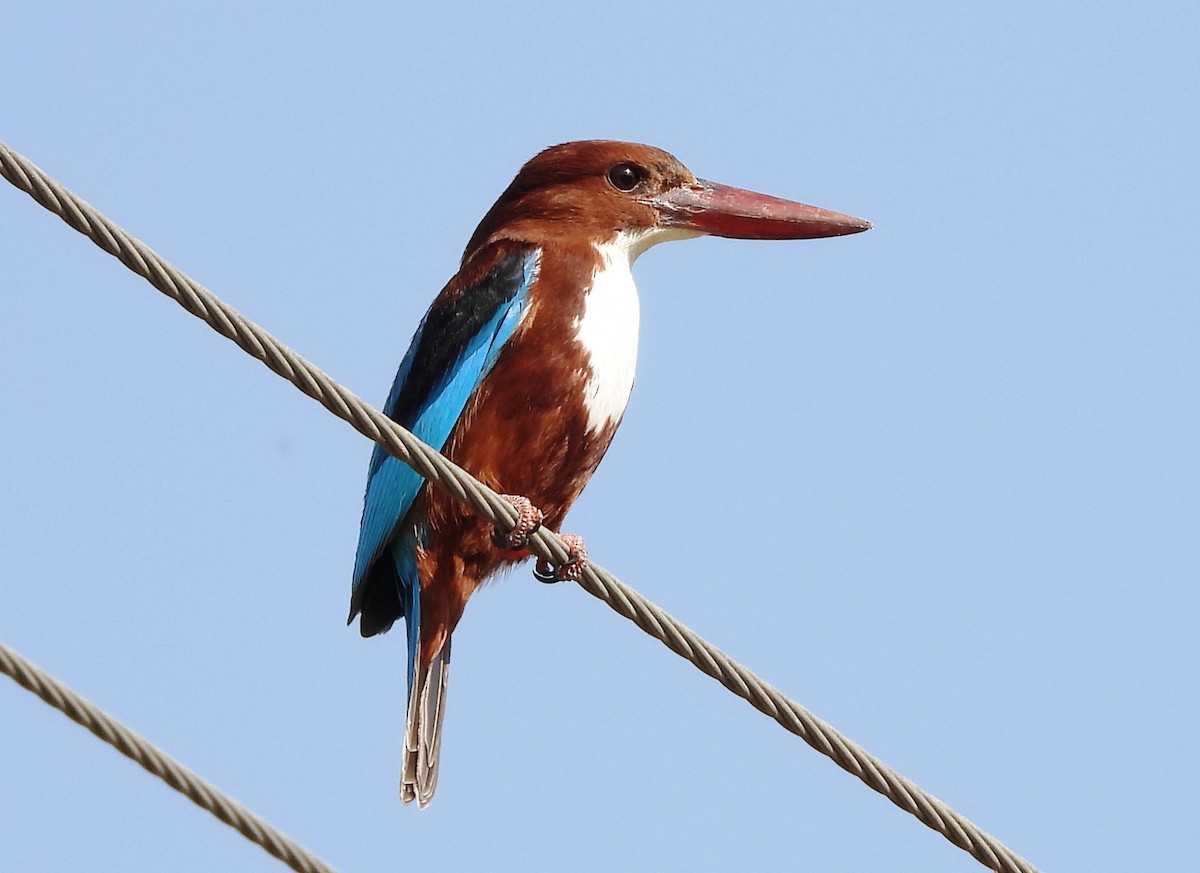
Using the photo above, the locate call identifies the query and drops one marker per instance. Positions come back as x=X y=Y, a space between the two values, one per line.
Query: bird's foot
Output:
x=571 y=569
x=529 y=519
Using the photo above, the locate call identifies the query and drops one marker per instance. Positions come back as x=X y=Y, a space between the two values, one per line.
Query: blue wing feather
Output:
x=430 y=406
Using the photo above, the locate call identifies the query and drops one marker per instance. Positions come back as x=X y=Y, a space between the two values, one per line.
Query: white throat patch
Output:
x=608 y=327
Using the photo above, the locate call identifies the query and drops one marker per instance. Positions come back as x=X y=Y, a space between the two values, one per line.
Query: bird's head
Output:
x=597 y=189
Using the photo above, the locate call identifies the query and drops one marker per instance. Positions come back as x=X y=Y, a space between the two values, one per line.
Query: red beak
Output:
x=731 y=212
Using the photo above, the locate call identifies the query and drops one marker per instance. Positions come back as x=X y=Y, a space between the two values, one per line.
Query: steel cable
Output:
x=429 y=463
x=159 y=763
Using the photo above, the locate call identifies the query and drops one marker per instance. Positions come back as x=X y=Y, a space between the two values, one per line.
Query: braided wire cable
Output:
x=157 y=762
x=432 y=465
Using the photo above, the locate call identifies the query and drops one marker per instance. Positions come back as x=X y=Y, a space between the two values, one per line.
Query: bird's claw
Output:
x=529 y=519
x=568 y=571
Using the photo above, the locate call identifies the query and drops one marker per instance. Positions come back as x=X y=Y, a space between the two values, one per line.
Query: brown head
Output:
x=595 y=189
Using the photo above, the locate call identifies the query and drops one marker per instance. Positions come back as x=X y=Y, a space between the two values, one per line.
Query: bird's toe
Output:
x=568 y=571
x=529 y=519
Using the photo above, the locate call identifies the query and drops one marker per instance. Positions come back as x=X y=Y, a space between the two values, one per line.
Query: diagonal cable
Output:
x=597 y=581
x=159 y=763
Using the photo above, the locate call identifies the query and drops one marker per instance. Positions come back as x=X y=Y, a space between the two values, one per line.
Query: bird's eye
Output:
x=626 y=177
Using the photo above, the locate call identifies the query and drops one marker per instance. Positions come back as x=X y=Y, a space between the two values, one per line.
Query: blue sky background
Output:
x=938 y=482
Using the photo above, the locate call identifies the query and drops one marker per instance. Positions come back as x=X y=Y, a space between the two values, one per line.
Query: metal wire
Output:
x=596 y=580
x=159 y=763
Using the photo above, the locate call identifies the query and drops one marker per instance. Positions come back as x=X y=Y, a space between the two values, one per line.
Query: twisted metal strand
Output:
x=158 y=763
x=432 y=465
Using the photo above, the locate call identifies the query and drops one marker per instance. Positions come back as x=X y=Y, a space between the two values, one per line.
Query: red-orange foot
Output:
x=529 y=519
x=571 y=569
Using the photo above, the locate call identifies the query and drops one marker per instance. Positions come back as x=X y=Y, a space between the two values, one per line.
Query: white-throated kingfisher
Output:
x=520 y=372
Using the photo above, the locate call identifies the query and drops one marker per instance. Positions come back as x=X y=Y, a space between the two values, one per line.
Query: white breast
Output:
x=608 y=331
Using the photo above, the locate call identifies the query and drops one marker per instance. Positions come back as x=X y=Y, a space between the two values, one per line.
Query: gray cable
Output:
x=159 y=763
x=596 y=580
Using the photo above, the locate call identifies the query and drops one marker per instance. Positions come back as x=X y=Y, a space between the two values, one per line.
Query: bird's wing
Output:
x=454 y=348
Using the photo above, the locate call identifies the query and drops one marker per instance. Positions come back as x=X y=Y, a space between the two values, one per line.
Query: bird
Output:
x=520 y=372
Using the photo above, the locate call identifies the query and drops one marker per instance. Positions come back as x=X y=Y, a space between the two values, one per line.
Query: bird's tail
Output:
x=423 y=731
